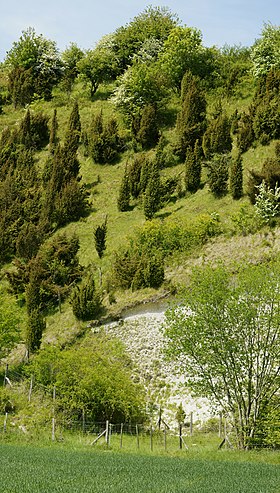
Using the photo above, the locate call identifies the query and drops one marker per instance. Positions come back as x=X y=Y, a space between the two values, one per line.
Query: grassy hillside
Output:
x=103 y=182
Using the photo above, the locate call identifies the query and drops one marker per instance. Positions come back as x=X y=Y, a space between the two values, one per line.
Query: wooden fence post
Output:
x=191 y=424
x=5 y=374
x=83 y=422
x=121 y=435
x=53 y=429
x=107 y=438
x=53 y=418
x=30 y=389
x=137 y=436
x=220 y=424
x=180 y=436
x=5 y=423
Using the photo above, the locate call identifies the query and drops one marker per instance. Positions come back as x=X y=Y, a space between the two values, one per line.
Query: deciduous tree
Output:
x=225 y=335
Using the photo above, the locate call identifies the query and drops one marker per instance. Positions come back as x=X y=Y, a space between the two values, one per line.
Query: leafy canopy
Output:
x=94 y=377
x=225 y=336
x=265 y=52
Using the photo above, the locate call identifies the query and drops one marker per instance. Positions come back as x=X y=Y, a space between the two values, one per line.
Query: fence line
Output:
x=139 y=433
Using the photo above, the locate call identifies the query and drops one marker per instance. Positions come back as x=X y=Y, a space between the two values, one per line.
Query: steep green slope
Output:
x=103 y=182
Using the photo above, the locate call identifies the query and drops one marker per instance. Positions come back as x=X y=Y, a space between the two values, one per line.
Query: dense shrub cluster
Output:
x=85 y=299
x=142 y=264
x=103 y=142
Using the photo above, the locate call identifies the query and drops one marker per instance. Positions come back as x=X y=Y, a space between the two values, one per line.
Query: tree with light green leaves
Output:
x=94 y=378
x=97 y=66
x=183 y=51
x=153 y=24
x=224 y=332
x=141 y=85
x=265 y=51
x=70 y=58
x=34 y=67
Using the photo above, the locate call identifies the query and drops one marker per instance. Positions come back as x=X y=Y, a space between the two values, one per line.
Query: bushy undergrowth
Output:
x=142 y=263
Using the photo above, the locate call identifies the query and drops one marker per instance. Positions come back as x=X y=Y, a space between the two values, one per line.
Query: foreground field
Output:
x=27 y=468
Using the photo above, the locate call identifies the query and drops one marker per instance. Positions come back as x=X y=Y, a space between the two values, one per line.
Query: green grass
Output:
x=27 y=468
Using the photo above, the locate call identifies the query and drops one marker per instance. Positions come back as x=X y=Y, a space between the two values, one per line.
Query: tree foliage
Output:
x=94 y=378
x=183 y=52
x=193 y=168
x=191 y=120
x=124 y=192
x=97 y=66
x=236 y=177
x=103 y=141
x=148 y=133
x=9 y=326
x=71 y=56
x=48 y=276
x=100 y=234
x=35 y=67
x=218 y=174
x=152 y=197
x=154 y=23
x=265 y=52
x=225 y=334
x=36 y=325
x=217 y=138
x=85 y=299
x=140 y=85
x=138 y=267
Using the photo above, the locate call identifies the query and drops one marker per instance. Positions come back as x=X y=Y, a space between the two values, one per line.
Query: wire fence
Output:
x=56 y=426
x=116 y=435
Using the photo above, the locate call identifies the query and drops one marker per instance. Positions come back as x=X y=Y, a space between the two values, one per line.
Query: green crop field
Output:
x=25 y=469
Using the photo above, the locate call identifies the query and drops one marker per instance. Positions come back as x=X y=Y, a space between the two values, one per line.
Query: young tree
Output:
x=193 y=169
x=97 y=66
x=236 y=177
x=100 y=234
x=85 y=299
x=191 y=121
x=218 y=173
x=73 y=132
x=152 y=197
x=53 y=141
x=35 y=327
x=225 y=336
x=148 y=134
x=103 y=140
x=135 y=175
x=34 y=61
x=245 y=132
x=124 y=193
x=70 y=58
x=217 y=138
